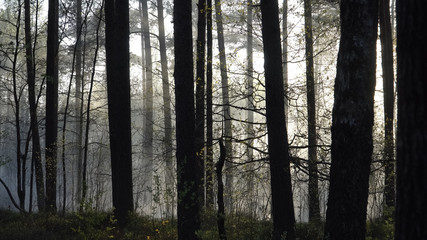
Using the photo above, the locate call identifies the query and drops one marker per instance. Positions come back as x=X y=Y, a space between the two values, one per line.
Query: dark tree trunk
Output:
x=221 y=212
x=200 y=97
x=51 y=105
x=411 y=155
x=187 y=181
x=31 y=79
x=118 y=87
x=225 y=107
x=167 y=112
x=278 y=149
x=209 y=122
x=352 y=120
x=313 y=191
x=388 y=86
x=285 y=55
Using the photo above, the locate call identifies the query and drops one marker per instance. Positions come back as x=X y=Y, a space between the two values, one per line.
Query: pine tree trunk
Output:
x=352 y=121
x=167 y=114
x=188 y=204
x=313 y=191
x=411 y=155
x=51 y=105
x=119 y=114
x=278 y=149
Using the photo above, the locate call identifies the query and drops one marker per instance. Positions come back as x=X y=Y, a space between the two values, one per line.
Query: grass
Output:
x=102 y=225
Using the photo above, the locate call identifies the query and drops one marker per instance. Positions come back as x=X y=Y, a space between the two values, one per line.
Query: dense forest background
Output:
x=278 y=112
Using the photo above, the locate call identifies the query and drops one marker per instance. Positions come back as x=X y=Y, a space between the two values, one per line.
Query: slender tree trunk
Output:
x=119 y=114
x=188 y=204
x=285 y=55
x=20 y=161
x=278 y=149
x=388 y=85
x=313 y=192
x=167 y=114
x=79 y=101
x=209 y=122
x=51 y=105
x=352 y=121
x=225 y=108
x=148 y=113
x=251 y=108
x=221 y=213
x=411 y=155
x=200 y=97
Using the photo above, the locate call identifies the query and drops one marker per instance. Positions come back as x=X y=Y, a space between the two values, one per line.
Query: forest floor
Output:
x=96 y=225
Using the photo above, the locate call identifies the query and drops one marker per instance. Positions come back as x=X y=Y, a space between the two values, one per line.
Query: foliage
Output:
x=382 y=228
x=309 y=231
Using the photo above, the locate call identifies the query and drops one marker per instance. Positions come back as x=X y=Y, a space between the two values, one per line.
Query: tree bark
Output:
x=313 y=191
x=352 y=121
x=200 y=97
x=411 y=155
x=118 y=88
x=221 y=212
x=51 y=105
x=209 y=122
x=187 y=182
x=278 y=149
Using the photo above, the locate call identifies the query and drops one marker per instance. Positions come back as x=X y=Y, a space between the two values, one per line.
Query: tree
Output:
x=51 y=105
x=225 y=106
x=148 y=101
x=118 y=90
x=352 y=121
x=313 y=191
x=167 y=142
x=200 y=96
x=411 y=155
x=209 y=122
x=388 y=86
x=187 y=181
x=278 y=149
x=31 y=79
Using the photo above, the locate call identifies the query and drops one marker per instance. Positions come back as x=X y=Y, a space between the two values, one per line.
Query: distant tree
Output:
x=388 y=86
x=187 y=181
x=166 y=111
x=313 y=188
x=148 y=102
x=51 y=105
x=352 y=121
x=31 y=79
x=119 y=115
x=278 y=149
x=225 y=106
x=411 y=155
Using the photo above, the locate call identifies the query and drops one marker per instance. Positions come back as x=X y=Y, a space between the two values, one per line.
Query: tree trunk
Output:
x=251 y=108
x=167 y=114
x=51 y=105
x=79 y=101
x=352 y=120
x=388 y=86
x=278 y=149
x=225 y=108
x=187 y=182
x=221 y=212
x=411 y=155
x=313 y=188
x=285 y=56
x=148 y=112
x=209 y=122
x=118 y=88
x=200 y=97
